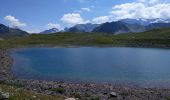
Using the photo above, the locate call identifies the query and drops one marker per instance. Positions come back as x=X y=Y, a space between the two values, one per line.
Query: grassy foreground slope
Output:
x=153 y=38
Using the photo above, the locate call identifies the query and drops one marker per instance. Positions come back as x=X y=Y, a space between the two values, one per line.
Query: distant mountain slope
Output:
x=136 y=21
x=112 y=28
x=83 y=27
x=53 y=30
x=136 y=28
x=7 y=31
x=158 y=25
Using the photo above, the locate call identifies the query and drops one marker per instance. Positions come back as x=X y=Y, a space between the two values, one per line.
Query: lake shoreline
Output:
x=78 y=46
x=83 y=90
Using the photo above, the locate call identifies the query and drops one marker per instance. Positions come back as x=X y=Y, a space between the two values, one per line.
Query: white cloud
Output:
x=86 y=9
x=142 y=9
x=73 y=18
x=13 y=21
x=53 y=25
x=101 y=19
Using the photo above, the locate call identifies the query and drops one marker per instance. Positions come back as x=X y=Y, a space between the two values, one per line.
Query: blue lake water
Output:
x=93 y=64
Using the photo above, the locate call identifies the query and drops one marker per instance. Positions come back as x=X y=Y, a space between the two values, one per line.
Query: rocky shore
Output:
x=81 y=91
x=5 y=65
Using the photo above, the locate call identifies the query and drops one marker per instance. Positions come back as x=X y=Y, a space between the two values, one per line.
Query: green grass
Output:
x=153 y=38
x=21 y=94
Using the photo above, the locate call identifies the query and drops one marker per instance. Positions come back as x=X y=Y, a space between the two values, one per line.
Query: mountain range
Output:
x=122 y=26
x=116 y=27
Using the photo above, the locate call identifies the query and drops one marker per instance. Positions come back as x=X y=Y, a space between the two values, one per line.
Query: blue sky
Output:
x=38 y=15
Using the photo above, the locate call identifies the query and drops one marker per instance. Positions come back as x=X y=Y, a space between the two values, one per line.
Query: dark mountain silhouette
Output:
x=7 y=31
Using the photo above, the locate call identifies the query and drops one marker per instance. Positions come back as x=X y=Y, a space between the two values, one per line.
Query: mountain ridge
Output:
x=52 y=30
